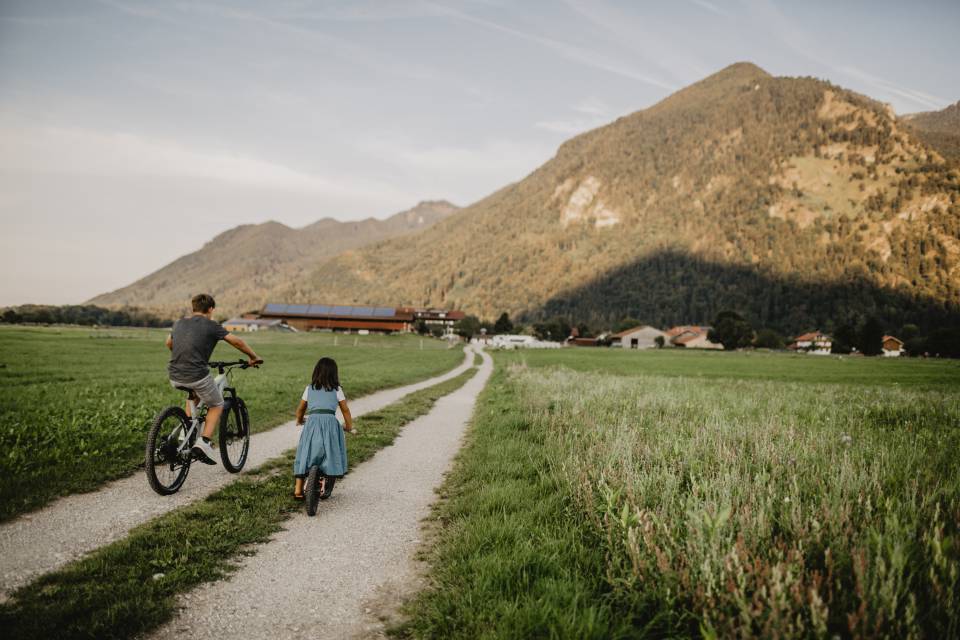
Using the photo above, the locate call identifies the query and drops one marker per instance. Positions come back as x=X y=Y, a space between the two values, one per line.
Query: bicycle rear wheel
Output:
x=234 y=433
x=312 y=490
x=166 y=468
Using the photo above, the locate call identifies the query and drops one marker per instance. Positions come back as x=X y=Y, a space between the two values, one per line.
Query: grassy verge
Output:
x=511 y=559
x=129 y=587
x=592 y=505
x=82 y=399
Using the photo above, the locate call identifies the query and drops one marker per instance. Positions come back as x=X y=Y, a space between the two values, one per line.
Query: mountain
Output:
x=242 y=266
x=797 y=202
x=938 y=129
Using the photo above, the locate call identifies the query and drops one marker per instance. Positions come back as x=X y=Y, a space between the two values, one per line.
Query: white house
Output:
x=642 y=337
x=254 y=324
x=521 y=342
x=814 y=342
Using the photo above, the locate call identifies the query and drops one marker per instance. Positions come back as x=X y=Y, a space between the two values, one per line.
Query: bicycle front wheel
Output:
x=234 y=435
x=166 y=466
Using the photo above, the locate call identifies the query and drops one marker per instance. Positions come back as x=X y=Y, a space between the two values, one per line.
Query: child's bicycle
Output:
x=313 y=492
x=173 y=434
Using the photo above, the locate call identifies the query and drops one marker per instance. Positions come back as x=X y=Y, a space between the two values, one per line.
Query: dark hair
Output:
x=325 y=375
x=203 y=302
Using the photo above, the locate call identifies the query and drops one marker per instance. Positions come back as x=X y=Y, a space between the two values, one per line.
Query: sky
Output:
x=132 y=132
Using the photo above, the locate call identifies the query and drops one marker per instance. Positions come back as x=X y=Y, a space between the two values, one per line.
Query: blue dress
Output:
x=321 y=441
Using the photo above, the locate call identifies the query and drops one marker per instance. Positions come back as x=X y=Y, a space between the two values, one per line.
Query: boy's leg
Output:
x=211 y=421
x=298 y=486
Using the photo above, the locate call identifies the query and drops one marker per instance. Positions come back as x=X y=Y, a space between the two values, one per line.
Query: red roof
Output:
x=897 y=340
x=629 y=331
x=813 y=335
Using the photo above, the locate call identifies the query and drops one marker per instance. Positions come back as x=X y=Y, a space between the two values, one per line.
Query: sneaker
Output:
x=203 y=451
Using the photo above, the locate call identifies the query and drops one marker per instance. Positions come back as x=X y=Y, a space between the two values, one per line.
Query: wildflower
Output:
x=787 y=499
x=846 y=439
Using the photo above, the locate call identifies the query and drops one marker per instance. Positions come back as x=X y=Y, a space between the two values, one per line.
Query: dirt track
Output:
x=39 y=542
x=325 y=576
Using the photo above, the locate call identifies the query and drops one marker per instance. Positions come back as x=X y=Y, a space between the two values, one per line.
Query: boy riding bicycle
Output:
x=191 y=344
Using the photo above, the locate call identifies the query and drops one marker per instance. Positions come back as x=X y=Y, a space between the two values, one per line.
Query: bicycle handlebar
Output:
x=243 y=364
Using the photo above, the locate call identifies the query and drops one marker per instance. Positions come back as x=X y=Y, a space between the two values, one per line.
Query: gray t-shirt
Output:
x=194 y=339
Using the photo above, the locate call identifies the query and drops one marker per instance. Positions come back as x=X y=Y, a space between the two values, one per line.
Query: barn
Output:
x=343 y=318
x=642 y=337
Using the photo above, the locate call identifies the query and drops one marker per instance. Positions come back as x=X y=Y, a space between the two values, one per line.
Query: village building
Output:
x=814 y=342
x=245 y=325
x=642 y=337
x=342 y=318
x=892 y=347
x=435 y=318
x=691 y=337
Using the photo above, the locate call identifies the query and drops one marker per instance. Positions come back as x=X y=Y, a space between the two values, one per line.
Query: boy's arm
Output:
x=347 y=418
x=169 y=342
x=240 y=345
x=301 y=411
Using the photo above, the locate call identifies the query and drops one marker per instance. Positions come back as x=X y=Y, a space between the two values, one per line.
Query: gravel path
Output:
x=323 y=577
x=65 y=530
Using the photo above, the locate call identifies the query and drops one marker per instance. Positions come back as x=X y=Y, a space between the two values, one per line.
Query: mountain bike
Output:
x=173 y=434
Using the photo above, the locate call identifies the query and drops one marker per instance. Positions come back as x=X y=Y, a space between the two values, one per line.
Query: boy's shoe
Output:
x=203 y=451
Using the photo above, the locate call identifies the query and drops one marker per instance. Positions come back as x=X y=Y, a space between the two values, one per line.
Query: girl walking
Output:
x=321 y=441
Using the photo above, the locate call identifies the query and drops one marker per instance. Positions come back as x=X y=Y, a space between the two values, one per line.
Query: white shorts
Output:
x=205 y=388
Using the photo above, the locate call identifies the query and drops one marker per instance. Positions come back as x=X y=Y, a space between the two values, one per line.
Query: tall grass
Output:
x=742 y=508
x=609 y=506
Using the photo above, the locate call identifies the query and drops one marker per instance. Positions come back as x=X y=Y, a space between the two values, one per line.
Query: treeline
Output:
x=86 y=315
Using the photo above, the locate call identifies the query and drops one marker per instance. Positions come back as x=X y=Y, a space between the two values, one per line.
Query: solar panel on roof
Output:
x=319 y=310
x=274 y=308
x=384 y=312
x=361 y=311
x=299 y=309
x=340 y=311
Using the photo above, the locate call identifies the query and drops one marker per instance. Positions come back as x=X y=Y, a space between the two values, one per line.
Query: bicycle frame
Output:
x=198 y=411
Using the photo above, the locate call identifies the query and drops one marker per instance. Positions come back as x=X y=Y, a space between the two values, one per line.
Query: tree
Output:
x=503 y=324
x=422 y=327
x=437 y=331
x=556 y=329
x=844 y=339
x=731 y=330
x=659 y=341
x=468 y=327
x=871 y=337
x=627 y=323
x=769 y=339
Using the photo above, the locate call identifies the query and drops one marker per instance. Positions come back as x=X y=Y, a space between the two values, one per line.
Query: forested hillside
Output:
x=789 y=199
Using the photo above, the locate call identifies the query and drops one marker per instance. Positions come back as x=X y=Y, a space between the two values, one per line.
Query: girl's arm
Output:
x=301 y=411
x=347 y=418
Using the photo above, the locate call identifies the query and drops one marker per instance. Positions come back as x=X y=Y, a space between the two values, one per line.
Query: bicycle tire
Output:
x=158 y=453
x=312 y=491
x=234 y=435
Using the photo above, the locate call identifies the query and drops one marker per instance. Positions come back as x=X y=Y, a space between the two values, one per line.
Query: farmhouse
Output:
x=642 y=337
x=236 y=325
x=435 y=318
x=691 y=337
x=892 y=347
x=345 y=318
x=813 y=342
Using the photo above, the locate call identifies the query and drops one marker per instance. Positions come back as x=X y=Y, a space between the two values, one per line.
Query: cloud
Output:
x=709 y=6
x=72 y=151
x=582 y=55
x=911 y=95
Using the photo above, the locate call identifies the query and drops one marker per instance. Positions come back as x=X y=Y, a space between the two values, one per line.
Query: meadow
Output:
x=75 y=403
x=673 y=494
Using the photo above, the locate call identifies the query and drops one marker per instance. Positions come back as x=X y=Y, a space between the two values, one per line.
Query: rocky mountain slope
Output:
x=242 y=266
x=797 y=202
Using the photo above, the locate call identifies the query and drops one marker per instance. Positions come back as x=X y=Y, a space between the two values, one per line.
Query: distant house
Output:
x=691 y=337
x=814 y=342
x=892 y=347
x=642 y=337
x=237 y=325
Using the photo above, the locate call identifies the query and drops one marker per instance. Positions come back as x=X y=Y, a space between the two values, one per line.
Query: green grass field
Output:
x=75 y=402
x=673 y=494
